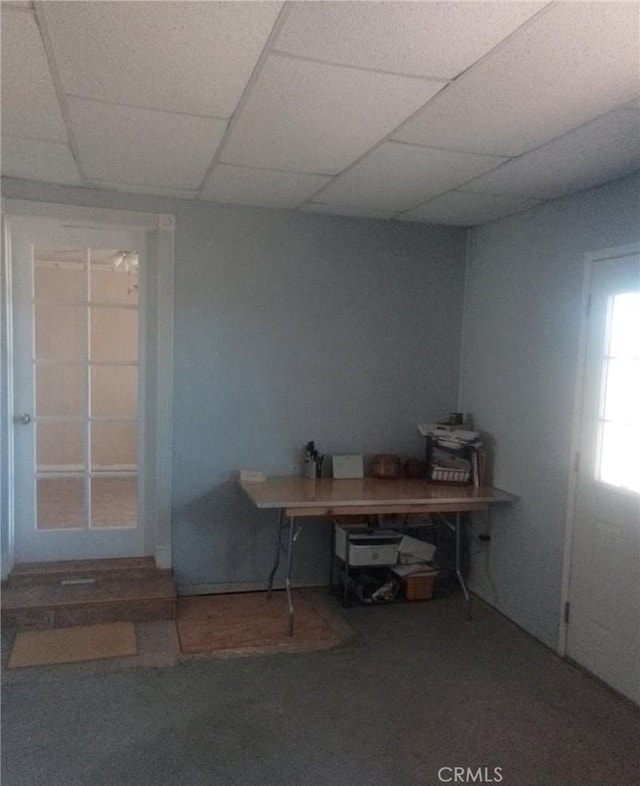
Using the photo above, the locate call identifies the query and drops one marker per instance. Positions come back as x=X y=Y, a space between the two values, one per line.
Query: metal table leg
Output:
x=332 y=557
x=459 y=561
x=287 y=580
x=346 y=577
x=276 y=560
x=457 y=529
x=289 y=523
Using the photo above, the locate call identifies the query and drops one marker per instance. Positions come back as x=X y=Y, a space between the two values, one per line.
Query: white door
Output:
x=78 y=344
x=603 y=632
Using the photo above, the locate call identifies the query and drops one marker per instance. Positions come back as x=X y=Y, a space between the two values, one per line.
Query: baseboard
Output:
x=163 y=557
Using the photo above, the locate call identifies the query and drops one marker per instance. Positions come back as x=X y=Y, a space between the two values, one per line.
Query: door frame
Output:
x=592 y=258
x=160 y=227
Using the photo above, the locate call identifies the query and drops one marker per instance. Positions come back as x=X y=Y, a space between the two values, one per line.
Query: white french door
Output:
x=603 y=631
x=79 y=390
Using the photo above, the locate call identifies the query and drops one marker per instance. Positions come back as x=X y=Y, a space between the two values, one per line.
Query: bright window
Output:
x=618 y=458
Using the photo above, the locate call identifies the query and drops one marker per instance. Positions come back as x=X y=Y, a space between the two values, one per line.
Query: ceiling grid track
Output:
x=446 y=85
x=278 y=25
x=43 y=25
x=454 y=114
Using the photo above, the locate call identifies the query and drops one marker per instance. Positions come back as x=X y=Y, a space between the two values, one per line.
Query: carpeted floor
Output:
x=416 y=690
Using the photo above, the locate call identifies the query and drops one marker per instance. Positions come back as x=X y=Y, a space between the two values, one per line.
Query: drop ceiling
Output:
x=451 y=113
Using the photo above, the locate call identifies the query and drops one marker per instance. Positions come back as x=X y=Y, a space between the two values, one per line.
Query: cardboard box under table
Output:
x=417 y=581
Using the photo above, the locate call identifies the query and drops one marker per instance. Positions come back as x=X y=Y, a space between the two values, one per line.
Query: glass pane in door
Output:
x=114 y=278
x=60 y=350
x=113 y=446
x=60 y=446
x=60 y=389
x=114 y=501
x=114 y=391
x=58 y=281
x=114 y=334
x=61 y=502
x=619 y=421
x=60 y=332
x=85 y=309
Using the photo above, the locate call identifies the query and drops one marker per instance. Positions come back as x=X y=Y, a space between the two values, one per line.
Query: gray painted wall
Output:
x=346 y=332
x=290 y=327
x=522 y=318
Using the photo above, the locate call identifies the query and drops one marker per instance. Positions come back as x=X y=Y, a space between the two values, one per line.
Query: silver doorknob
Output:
x=24 y=419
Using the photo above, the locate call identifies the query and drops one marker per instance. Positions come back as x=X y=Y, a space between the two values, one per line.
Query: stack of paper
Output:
x=450 y=436
x=454 y=453
x=414 y=570
x=412 y=551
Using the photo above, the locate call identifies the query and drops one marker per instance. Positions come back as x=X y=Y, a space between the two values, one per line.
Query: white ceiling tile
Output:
x=428 y=39
x=133 y=188
x=573 y=62
x=29 y=103
x=564 y=81
x=192 y=57
x=317 y=118
x=245 y=186
x=458 y=208
x=344 y=210
x=34 y=159
x=397 y=176
x=606 y=148
x=132 y=145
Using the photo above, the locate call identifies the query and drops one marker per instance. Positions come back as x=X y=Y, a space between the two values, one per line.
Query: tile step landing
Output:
x=86 y=592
